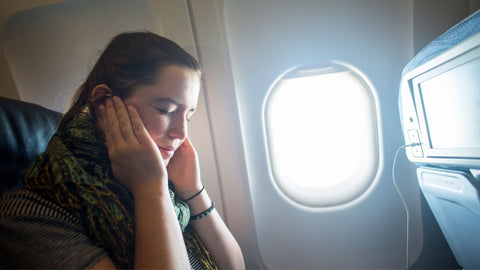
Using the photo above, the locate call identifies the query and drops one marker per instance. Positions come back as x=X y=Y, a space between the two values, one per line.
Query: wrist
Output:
x=191 y=193
x=194 y=195
x=203 y=213
x=153 y=202
x=153 y=190
x=200 y=203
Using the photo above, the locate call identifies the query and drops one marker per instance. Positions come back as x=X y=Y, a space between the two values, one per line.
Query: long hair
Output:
x=129 y=60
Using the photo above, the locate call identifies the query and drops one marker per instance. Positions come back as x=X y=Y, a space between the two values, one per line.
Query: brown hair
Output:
x=129 y=60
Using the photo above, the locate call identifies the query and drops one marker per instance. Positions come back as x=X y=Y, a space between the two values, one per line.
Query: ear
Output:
x=100 y=92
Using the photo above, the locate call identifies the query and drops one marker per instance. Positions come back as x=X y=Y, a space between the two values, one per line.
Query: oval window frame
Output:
x=312 y=197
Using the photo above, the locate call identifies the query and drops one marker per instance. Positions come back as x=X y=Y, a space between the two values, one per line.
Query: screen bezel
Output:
x=429 y=151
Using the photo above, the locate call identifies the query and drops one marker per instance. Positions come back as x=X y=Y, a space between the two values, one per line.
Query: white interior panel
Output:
x=265 y=39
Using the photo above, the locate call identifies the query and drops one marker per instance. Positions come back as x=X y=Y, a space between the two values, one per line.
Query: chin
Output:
x=166 y=160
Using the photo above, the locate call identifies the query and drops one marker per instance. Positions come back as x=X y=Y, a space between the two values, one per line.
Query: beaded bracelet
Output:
x=196 y=194
x=204 y=213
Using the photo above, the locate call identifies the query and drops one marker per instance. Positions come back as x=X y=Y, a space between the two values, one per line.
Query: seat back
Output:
x=454 y=199
x=448 y=177
x=25 y=131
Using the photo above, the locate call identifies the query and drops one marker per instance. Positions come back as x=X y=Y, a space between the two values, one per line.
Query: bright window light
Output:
x=322 y=135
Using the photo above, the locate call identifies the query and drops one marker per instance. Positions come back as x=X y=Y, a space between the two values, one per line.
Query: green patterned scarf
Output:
x=75 y=173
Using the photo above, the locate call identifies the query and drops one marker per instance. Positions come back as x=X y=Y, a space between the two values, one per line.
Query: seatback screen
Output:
x=451 y=102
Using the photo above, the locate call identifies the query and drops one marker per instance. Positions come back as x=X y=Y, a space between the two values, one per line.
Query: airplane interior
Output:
x=331 y=134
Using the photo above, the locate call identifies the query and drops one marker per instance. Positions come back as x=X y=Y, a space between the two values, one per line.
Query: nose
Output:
x=178 y=128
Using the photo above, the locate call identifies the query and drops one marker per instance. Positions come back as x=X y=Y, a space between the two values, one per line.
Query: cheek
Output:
x=155 y=124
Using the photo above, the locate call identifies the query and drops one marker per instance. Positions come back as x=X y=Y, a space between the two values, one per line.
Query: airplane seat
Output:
x=25 y=133
x=439 y=106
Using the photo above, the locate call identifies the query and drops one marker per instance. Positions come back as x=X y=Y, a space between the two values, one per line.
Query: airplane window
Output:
x=322 y=134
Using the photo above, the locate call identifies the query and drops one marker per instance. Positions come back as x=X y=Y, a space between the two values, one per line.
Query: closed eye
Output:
x=164 y=111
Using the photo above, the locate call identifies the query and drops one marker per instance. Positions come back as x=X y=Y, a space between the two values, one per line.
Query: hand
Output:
x=135 y=159
x=184 y=170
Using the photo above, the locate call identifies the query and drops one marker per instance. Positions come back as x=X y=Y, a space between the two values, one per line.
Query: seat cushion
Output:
x=25 y=133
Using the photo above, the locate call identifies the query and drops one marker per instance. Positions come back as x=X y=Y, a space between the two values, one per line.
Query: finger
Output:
x=100 y=114
x=138 y=127
x=187 y=144
x=112 y=132
x=102 y=118
x=123 y=117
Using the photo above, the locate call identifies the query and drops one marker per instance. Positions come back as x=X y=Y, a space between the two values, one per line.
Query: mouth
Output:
x=167 y=152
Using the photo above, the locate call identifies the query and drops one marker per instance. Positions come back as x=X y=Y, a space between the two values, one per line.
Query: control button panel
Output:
x=414 y=139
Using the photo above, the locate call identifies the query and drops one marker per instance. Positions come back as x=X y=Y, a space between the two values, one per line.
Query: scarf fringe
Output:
x=195 y=245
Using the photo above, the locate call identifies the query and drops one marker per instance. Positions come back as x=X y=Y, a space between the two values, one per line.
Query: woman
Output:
x=122 y=166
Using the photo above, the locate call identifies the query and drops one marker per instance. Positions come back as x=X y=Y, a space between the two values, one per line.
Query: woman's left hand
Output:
x=184 y=170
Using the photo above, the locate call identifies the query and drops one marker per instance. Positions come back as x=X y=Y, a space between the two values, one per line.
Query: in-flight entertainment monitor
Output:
x=440 y=107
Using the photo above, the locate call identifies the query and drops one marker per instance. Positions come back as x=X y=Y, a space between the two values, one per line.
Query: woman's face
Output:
x=166 y=107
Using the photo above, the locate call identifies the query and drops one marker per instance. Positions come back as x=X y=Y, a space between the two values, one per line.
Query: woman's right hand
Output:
x=138 y=164
x=135 y=158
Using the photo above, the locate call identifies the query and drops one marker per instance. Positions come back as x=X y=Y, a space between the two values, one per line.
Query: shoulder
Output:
x=37 y=233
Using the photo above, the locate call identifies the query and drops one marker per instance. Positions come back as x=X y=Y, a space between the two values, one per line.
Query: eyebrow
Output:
x=169 y=100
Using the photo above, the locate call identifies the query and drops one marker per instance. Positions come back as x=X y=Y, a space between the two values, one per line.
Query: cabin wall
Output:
x=379 y=38
x=429 y=23
x=8 y=8
x=375 y=37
